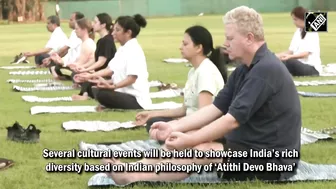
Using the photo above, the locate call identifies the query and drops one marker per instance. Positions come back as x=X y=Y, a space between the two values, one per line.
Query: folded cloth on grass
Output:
x=308 y=136
x=84 y=109
x=17 y=67
x=168 y=93
x=91 y=126
x=305 y=171
x=315 y=83
x=313 y=94
x=50 y=99
x=175 y=60
x=329 y=70
x=52 y=88
x=30 y=81
x=47 y=72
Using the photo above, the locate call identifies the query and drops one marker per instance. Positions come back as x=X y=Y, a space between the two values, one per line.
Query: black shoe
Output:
x=16 y=129
x=30 y=135
x=20 y=59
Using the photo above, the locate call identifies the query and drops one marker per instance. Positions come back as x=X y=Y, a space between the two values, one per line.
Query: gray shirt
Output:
x=264 y=101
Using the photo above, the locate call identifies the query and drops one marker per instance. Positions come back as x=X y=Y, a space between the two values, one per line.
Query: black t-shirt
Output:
x=106 y=48
x=265 y=102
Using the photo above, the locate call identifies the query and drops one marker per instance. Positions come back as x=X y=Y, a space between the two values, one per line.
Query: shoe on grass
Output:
x=30 y=135
x=14 y=130
x=5 y=163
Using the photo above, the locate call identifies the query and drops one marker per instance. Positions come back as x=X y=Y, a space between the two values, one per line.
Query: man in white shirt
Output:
x=71 y=50
x=56 y=41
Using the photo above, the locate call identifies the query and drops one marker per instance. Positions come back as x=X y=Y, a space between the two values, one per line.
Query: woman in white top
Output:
x=129 y=86
x=205 y=79
x=63 y=69
x=303 y=55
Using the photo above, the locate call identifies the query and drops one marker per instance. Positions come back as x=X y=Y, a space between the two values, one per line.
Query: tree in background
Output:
x=22 y=10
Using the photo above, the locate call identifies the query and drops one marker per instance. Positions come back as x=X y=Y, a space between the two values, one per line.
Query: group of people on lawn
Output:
x=256 y=107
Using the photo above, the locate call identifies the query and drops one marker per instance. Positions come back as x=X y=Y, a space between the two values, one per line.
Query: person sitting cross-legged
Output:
x=105 y=51
x=128 y=87
x=205 y=79
x=251 y=112
x=64 y=69
x=57 y=40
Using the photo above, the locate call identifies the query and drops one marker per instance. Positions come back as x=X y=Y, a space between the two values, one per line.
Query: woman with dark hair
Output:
x=303 y=55
x=104 y=53
x=129 y=86
x=205 y=79
x=83 y=31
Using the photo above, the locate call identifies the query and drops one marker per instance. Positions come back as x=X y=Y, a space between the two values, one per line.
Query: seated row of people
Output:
x=242 y=112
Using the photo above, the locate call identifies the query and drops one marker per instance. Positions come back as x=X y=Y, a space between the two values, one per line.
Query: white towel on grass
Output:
x=315 y=83
x=30 y=81
x=86 y=109
x=17 y=67
x=91 y=126
x=30 y=72
x=175 y=60
x=169 y=93
x=46 y=99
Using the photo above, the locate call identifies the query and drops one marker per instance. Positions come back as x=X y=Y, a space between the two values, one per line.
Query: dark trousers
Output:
x=116 y=100
x=39 y=60
x=297 y=68
x=65 y=72
x=86 y=87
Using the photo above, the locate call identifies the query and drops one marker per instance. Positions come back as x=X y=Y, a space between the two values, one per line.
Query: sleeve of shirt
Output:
x=224 y=97
x=311 y=42
x=205 y=82
x=106 y=49
x=133 y=65
x=253 y=94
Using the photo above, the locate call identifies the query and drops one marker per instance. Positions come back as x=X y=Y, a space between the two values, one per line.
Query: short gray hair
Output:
x=247 y=20
x=54 y=20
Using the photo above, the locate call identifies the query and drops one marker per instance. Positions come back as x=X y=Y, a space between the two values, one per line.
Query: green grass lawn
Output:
x=161 y=39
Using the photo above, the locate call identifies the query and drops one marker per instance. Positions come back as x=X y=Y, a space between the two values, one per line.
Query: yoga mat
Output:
x=50 y=99
x=54 y=84
x=305 y=171
x=91 y=126
x=329 y=70
x=85 y=109
x=29 y=73
x=175 y=60
x=315 y=83
x=52 y=88
x=313 y=94
x=17 y=67
x=169 y=93
x=30 y=81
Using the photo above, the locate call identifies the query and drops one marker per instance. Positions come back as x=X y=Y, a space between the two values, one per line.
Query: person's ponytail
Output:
x=92 y=34
x=220 y=60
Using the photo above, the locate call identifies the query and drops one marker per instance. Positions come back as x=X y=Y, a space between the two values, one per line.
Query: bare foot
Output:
x=76 y=86
x=120 y=178
x=100 y=108
x=79 y=97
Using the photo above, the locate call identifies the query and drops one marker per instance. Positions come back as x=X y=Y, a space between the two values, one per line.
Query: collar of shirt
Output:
x=258 y=55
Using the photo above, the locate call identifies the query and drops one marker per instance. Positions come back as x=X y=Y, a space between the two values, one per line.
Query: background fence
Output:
x=159 y=8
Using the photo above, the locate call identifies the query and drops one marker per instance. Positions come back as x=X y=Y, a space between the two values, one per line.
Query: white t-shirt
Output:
x=57 y=40
x=74 y=44
x=311 y=43
x=205 y=78
x=130 y=60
